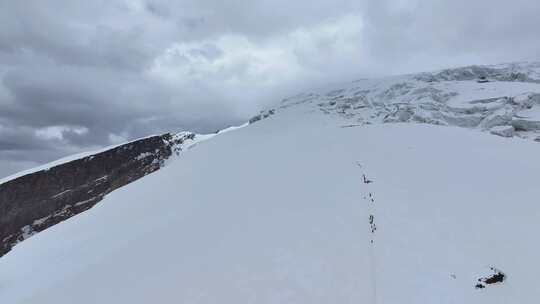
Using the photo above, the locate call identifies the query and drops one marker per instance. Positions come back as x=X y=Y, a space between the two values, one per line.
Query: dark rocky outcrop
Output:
x=495 y=277
x=262 y=115
x=36 y=201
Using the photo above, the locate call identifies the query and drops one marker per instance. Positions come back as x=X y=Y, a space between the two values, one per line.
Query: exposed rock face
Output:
x=37 y=201
x=262 y=115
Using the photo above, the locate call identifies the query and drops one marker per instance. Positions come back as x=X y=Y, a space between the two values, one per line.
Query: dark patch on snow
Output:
x=497 y=277
x=351 y=126
x=482 y=79
x=366 y=180
x=262 y=115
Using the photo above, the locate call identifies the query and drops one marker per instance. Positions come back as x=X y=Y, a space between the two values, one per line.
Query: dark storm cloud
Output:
x=69 y=33
x=76 y=75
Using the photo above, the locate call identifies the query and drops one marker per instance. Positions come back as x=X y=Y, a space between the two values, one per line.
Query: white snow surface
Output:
x=277 y=212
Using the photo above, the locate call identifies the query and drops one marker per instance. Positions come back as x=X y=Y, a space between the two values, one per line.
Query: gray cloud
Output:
x=77 y=75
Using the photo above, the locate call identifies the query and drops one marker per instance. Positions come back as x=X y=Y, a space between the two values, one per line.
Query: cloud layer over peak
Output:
x=75 y=75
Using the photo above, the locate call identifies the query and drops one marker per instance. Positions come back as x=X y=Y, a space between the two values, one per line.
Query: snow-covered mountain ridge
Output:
x=314 y=202
x=37 y=199
x=34 y=200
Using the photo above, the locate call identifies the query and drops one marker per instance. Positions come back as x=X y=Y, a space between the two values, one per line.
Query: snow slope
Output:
x=278 y=212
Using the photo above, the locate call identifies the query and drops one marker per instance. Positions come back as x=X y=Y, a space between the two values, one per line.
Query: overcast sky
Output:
x=77 y=75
